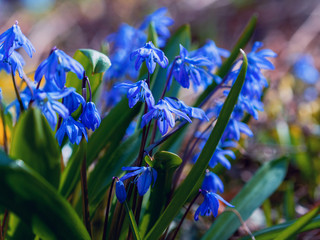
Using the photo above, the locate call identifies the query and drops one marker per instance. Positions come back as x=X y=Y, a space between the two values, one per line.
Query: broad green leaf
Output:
x=33 y=141
x=37 y=203
x=132 y=221
x=293 y=229
x=95 y=64
x=185 y=189
x=266 y=180
x=272 y=232
x=226 y=66
x=165 y=164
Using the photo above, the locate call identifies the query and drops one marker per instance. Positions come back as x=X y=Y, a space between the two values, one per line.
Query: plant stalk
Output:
x=105 y=226
x=16 y=90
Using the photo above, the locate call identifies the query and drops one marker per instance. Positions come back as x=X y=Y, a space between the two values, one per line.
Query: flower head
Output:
x=120 y=191
x=209 y=204
x=14 y=62
x=74 y=130
x=55 y=67
x=90 y=116
x=161 y=24
x=144 y=177
x=151 y=55
x=163 y=112
x=12 y=39
x=73 y=101
x=212 y=183
x=138 y=91
x=305 y=70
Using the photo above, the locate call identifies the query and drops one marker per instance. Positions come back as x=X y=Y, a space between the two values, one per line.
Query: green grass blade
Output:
x=185 y=189
x=132 y=221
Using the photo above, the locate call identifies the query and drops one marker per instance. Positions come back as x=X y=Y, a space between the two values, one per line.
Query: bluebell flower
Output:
x=12 y=39
x=54 y=68
x=138 y=91
x=304 y=69
x=163 y=112
x=190 y=111
x=212 y=183
x=73 y=101
x=90 y=116
x=151 y=55
x=210 y=204
x=74 y=130
x=212 y=53
x=161 y=24
x=120 y=191
x=233 y=130
x=14 y=62
x=25 y=96
x=188 y=69
x=48 y=103
x=144 y=177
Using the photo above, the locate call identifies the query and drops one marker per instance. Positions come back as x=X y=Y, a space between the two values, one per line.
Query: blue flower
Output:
x=25 y=96
x=187 y=69
x=212 y=183
x=144 y=177
x=233 y=130
x=151 y=55
x=48 y=103
x=54 y=68
x=90 y=116
x=212 y=53
x=114 y=95
x=121 y=191
x=305 y=70
x=190 y=111
x=138 y=91
x=72 y=101
x=161 y=23
x=12 y=39
x=14 y=62
x=210 y=204
x=163 y=112
x=74 y=130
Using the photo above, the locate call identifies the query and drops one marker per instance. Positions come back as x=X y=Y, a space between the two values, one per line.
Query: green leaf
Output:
x=165 y=164
x=226 y=66
x=272 y=232
x=33 y=141
x=192 y=179
x=293 y=229
x=255 y=192
x=132 y=221
x=95 y=64
x=37 y=203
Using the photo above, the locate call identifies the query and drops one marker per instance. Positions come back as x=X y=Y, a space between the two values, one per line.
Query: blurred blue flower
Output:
x=190 y=111
x=305 y=70
x=212 y=183
x=163 y=112
x=73 y=101
x=233 y=130
x=25 y=96
x=14 y=62
x=74 y=130
x=138 y=91
x=210 y=204
x=121 y=191
x=190 y=68
x=12 y=39
x=54 y=68
x=161 y=24
x=212 y=53
x=90 y=116
x=144 y=177
x=151 y=55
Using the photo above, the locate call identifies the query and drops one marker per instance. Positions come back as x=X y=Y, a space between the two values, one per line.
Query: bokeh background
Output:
x=290 y=123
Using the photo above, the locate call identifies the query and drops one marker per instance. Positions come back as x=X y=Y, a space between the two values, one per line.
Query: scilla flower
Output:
x=90 y=116
x=163 y=112
x=212 y=183
x=74 y=130
x=13 y=63
x=72 y=101
x=138 y=91
x=151 y=55
x=12 y=39
x=210 y=204
x=120 y=191
x=143 y=179
x=55 y=67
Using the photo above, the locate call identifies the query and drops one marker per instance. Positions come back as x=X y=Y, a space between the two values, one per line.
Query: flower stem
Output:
x=105 y=226
x=16 y=90
x=169 y=77
x=184 y=216
x=4 y=224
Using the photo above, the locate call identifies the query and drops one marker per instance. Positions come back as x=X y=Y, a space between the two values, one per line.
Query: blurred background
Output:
x=290 y=123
